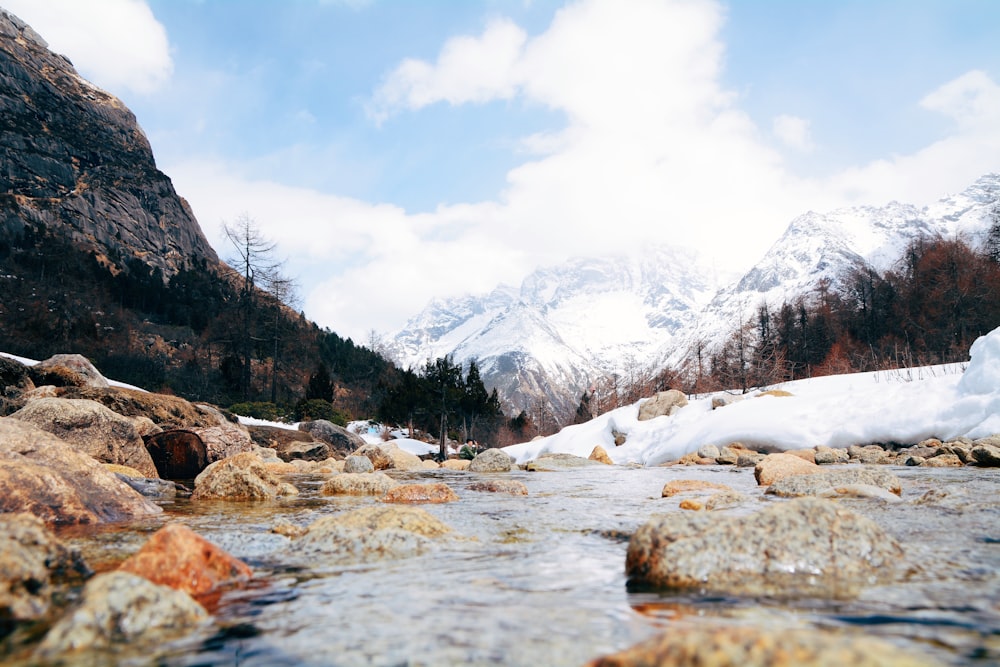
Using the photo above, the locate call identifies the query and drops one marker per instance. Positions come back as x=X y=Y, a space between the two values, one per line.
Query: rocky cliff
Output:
x=74 y=162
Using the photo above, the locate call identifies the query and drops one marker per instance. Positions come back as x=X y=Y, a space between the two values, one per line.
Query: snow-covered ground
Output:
x=898 y=406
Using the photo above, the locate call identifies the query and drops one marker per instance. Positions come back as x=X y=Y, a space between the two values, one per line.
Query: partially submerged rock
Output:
x=820 y=483
x=776 y=466
x=803 y=547
x=492 y=460
x=438 y=492
x=367 y=534
x=31 y=559
x=358 y=484
x=118 y=608
x=358 y=464
x=510 y=486
x=555 y=462
x=177 y=557
x=43 y=475
x=678 y=486
x=240 y=477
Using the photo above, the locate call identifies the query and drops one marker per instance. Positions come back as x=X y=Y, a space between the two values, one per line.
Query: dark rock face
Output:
x=177 y=454
x=73 y=159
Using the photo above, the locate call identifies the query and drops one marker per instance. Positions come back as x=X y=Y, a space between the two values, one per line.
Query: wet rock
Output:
x=986 y=455
x=600 y=455
x=92 y=428
x=420 y=493
x=830 y=455
x=456 y=464
x=339 y=438
x=31 y=559
x=803 y=547
x=757 y=647
x=240 y=477
x=708 y=452
x=177 y=557
x=358 y=464
x=150 y=487
x=177 y=453
x=368 y=534
x=77 y=364
x=119 y=608
x=664 y=403
x=724 y=500
x=819 y=483
x=358 y=484
x=557 y=462
x=224 y=441
x=378 y=455
x=910 y=460
x=491 y=460
x=305 y=451
x=730 y=454
x=679 y=486
x=511 y=486
x=43 y=475
x=776 y=466
x=691 y=504
x=859 y=491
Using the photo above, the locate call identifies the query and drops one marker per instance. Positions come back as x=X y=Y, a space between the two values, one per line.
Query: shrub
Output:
x=317 y=408
x=261 y=410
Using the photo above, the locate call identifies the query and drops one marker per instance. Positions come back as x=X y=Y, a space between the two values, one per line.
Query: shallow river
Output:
x=540 y=580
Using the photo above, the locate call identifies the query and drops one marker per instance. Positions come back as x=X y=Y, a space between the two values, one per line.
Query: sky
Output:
x=906 y=406
x=400 y=151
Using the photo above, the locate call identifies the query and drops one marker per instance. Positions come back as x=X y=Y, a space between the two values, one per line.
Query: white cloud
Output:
x=117 y=44
x=972 y=100
x=793 y=132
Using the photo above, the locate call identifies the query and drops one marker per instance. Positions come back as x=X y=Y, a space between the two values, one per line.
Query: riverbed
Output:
x=540 y=580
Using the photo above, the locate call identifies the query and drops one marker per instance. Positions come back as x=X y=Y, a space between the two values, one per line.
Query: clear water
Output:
x=539 y=580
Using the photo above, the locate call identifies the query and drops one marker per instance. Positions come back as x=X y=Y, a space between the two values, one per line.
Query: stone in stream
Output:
x=510 y=486
x=491 y=460
x=740 y=646
x=358 y=464
x=31 y=560
x=555 y=462
x=775 y=466
x=820 y=483
x=45 y=476
x=420 y=493
x=358 y=484
x=367 y=534
x=177 y=557
x=804 y=547
x=240 y=477
x=117 y=609
x=378 y=455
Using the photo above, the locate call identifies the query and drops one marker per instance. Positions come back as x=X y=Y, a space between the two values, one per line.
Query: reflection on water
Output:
x=540 y=580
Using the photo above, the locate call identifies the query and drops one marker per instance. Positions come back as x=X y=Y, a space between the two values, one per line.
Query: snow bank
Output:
x=837 y=411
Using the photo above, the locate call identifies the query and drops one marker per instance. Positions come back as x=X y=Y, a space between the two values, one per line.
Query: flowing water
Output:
x=539 y=580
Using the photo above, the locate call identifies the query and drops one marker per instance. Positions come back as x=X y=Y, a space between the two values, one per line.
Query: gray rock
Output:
x=557 y=462
x=151 y=487
x=662 y=404
x=224 y=441
x=869 y=455
x=358 y=484
x=378 y=454
x=358 y=464
x=821 y=482
x=803 y=547
x=492 y=460
x=708 y=452
x=122 y=608
x=340 y=439
x=76 y=363
x=986 y=455
x=305 y=451
x=830 y=455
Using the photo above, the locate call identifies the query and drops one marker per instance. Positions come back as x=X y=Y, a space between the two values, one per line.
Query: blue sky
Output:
x=403 y=150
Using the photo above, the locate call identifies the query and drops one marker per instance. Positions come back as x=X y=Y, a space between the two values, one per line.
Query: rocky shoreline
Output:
x=81 y=453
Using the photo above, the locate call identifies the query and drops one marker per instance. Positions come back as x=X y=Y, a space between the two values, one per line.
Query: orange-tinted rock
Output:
x=689 y=486
x=601 y=455
x=777 y=466
x=420 y=493
x=180 y=558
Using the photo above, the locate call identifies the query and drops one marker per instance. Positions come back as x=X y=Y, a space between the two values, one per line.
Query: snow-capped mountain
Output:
x=565 y=327
x=570 y=325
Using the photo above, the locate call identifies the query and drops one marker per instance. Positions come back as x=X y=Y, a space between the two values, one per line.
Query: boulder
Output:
x=368 y=534
x=31 y=559
x=410 y=494
x=556 y=462
x=163 y=410
x=275 y=436
x=492 y=460
x=822 y=482
x=746 y=646
x=224 y=441
x=869 y=455
x=829 y=455
x=43 y=475
x=600 y=455
x=724 y=500
x=943 y=461
x=776 y=466
x=177 y=453
x=240 y=477
x=304 y=451
x=15 y=381
x=83 y=372
x=679 y=486
x=510 y=486
x=177 y=557
x=378 y=455
x=339 y=438
x=153 y=487
x=402 y=459
x=358 y=464
x=663 y=404
x=358 y=484
x=731 y=453
x=456 y=464
x=119 y=608
x=91 y=428
x=986 y=455
x=708 y=452
x=804 y=547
